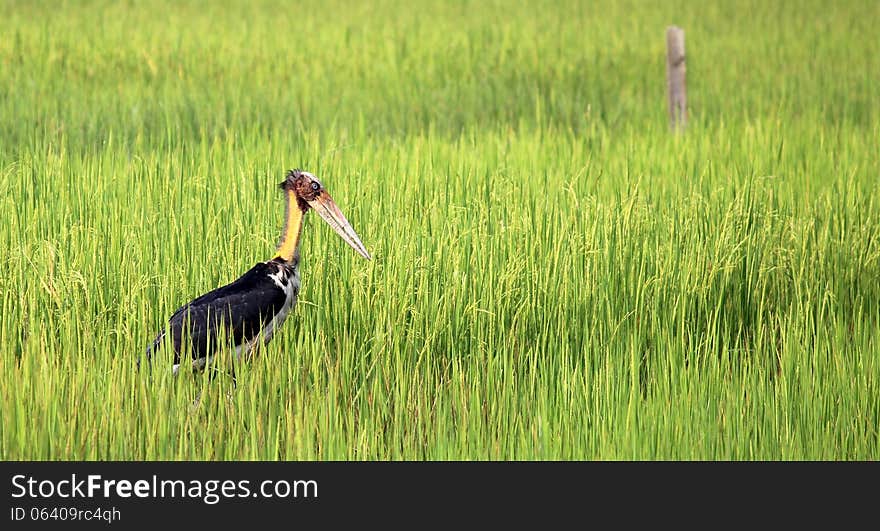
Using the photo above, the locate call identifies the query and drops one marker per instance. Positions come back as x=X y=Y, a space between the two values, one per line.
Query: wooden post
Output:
x=675 y=82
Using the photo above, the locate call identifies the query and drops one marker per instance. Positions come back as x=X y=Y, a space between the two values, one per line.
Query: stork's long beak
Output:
x=327 y=209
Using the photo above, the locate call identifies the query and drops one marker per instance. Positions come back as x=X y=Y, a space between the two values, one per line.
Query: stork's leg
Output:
x=247 y=349
x=234 y=381
x=197 y=401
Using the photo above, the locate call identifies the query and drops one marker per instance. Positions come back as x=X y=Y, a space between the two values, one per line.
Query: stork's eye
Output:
x=315 y=186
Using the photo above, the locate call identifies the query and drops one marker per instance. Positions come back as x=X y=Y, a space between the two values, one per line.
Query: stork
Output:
x=250 y=310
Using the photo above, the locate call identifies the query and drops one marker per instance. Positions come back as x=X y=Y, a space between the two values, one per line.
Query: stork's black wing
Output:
x=241 y=308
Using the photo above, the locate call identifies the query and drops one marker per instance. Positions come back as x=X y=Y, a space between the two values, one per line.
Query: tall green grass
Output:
x=555 y=275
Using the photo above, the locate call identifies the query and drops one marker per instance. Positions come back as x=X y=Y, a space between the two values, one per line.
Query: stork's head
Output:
x=311 y=194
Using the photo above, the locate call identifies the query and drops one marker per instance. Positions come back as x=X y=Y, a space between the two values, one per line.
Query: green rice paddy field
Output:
x=555 y=275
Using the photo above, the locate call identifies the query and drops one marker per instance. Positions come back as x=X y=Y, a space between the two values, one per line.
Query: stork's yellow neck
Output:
x=293 y=223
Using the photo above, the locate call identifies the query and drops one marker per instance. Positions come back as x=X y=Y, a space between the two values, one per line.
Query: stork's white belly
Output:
x=290 y=285
x=290 y=293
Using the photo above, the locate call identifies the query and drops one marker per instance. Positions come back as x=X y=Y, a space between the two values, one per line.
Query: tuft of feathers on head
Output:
x=287 y=183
